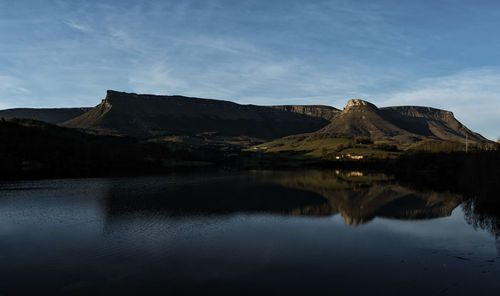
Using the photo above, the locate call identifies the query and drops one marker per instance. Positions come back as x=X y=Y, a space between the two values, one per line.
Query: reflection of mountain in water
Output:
x=360 y=198
x=357 y=197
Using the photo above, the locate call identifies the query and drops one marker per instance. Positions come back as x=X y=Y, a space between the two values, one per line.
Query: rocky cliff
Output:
x=326 y=112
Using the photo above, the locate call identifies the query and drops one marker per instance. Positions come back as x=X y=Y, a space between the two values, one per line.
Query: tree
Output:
x=324 y=152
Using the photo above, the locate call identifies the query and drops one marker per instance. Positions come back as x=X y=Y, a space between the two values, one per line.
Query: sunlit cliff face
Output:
x=357 y=103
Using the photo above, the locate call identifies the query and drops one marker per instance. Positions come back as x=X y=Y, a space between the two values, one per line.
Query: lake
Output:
x=257 y=232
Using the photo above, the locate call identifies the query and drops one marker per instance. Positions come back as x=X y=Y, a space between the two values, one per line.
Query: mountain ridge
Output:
x=151 y=116
x=146 y=116
x=402 y=123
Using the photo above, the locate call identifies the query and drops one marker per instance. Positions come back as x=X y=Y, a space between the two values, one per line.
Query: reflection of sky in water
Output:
x=57 y=203
x=66 y=222
x=451 y=232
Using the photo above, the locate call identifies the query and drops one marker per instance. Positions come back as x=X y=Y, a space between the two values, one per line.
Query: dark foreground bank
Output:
x=33 y=149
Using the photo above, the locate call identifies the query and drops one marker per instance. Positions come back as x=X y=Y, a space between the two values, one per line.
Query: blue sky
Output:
x=444 y=54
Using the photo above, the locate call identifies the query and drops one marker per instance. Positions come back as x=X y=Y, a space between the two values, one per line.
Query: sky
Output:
x=442 y=54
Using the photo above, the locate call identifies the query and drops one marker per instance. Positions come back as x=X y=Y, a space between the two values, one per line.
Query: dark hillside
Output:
x=49 y=115
x=31 y=148
x=429 y=122
x=149 y=116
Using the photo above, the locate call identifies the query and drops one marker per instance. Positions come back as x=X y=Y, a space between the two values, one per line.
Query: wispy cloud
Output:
x=12 y=89
x=77 y=26
x=12 y=85
x=268 y=79
x=67 y=53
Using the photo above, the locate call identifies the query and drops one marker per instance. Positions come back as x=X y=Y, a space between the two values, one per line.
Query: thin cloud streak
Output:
x=77 y=26
x=12 y=85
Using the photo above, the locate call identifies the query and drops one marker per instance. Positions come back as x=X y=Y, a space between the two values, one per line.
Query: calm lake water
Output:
x=262 y=232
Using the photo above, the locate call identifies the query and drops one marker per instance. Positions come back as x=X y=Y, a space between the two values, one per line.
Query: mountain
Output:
x=201 y=120
x=404 y=124
x=362 y=130
x=49 y=115
x=149 y=116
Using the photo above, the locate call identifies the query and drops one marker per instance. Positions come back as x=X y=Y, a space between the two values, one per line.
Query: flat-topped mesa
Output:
x=110 y=94
x=113 y=94
x=420 y=111
x=357 y=103
x=153 y=116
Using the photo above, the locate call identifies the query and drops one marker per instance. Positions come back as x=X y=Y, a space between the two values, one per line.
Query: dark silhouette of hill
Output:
x=49 y=115
x=32 y=148
x=403 y=124
x=148 y=116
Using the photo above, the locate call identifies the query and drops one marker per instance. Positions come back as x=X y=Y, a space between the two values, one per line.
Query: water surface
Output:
x=303 y=232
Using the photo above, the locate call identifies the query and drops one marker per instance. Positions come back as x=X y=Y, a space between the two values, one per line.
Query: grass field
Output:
x=327 y=148
x=203 y=141
x=311 y=147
